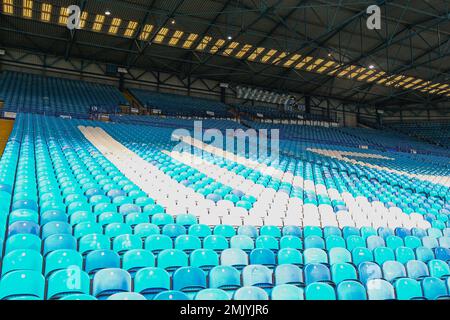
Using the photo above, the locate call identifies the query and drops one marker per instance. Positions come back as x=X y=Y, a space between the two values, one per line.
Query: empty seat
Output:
x=101 y=259
x=368 y=271
x=316 y=272
x=171 y=295
x=109 y=281
x=407 y=289
x=172 y=259
x=417 y=269
x=379 y=289
x=187 y=243
x=136 y=259
x=22 y=259
x=314 y=241
x=288 y=274
x=433 y=288
x=158 y=242
x=151 y=281
x=262 y=256
x=438 y=268
x=404 y=254
x=224 y=277
x=242 y=242
x=62 y=259
x=257 y=275
x=320 y=291
x=189 y=279
x=290 y=256
x=287 y=292
x=360 y=254
x=339 y=255
x=343 y=271
x=393 y=270
x=215 y=242
x=234 y=257
x=59 y=241
x=250 y=293
x=68 y=281
x=315 y=255
x=22 y=284
x=351 y=290
x=212 y=294
x=126 y=296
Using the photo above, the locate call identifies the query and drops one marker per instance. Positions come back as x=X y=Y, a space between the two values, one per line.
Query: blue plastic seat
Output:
x=62 y=259
x=151 y=281
x=351 y=290
x=316 y=272
x=374 y=242
x=85 y=228
x=291 y=242
x=383 y=254
x=331 y=231
x=263 y=256
x=385 y=232
x=215 y=242
x=287 y=292
x=402 y=232
x=212 y=294
x=144 y=230
x=394 y=242
x=343 y=271
x=320 y=291
x=412 y=242
x=59 y=241
x=355 y=241
x=135 y=218
x=407 y=289
x=368 y=271
x=392 y=270
x=158 y=242
x=314 y=241
x=126 y=242
x=136 y=259
x=186 y=220
x=417 y=269
x=205 y=259
x=290 y=256
x=249 y=231
x=361 y=254
x=189 y=279
x=438 y=268
x=116 y=229
x=126 y=296
x=257 y=275
x=434 y=288
x=161 y=219
x=424 y=254
x=350 y=231
x=187 y=243
x=23 y=284
x=292 y=231
x=106 y=218
x=268 y=242
x=68 y=281
x=225 y=277
x=53 y=215
x=22 y=259
x=419 y=233
x=171 y=295
x=441 y=253
x=110 y=281
x=93 y=242
x=78 y=296
x=224 y=230
x=312 y=231
x=173 y=230
x=242 y=242
x=172 y=259
x=250 y=293
x=379 y=289
x=23 y=241
x=272 y=231
x=339 y=255
x=404 y=254
x=101 y=259
x=199 y=230
x=23 y=227
x=234 y=257
x=288 y=274
x=315 y=255
x=430 y=242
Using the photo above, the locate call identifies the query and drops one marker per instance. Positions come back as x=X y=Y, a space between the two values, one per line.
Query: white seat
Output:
x=253 y=221
x=232 y=220
x=209 y=220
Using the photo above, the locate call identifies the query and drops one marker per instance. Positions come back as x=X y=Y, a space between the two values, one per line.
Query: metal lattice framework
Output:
x=315 y=47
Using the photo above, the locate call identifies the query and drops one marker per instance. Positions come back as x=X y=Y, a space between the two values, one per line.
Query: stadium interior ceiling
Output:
x=321 y=48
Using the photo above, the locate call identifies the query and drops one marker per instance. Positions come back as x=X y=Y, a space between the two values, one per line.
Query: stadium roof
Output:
x=312 y=47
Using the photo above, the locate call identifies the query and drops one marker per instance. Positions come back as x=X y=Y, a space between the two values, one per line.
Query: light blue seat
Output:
x=116 y=229
x=186 y=220
x=242 y=242
x=368 y=271
x=187 y=243
x=62 y=259
x=136 y=218
x=234 y=257
x=268 y=242
x=287 y=292
x=158 y=242
x=126 y=296
x=250 y=293
x=379 y=289
x=412 y=242
x=23 y=227
x=351 y=290
x=106 y=218
x=161 y=219
x=361 y=254
x=385 y=232
x=23 y=241
x=339 y=255
x=172 y=259
x=215 y=242
x=144 y=230
x=101 y=259
x=272 y=231
x=374 y=242
x=315 y=255
x=126 y=242
x=257 y=275
x=225 y=277
x=383 y=254
x=23 y=284
x=312 y=231
x=22 y=259
x=85 y=228
x=354 y=241
x=291 y=242
x=292 y=231
x=417 y=269
x=288 y=274
x=434 y=288
x=173 y=230
x=394 y=242
x=93 y=242
x=424 y=254
x=151 y=281
x=199 y=230
x=290 y=256
x=334 y=241
x=68 y=281
x=212 y=294
x=404 y=254
x=189 y=279
x=430 y=242
x=136 y=259
x=407 y=289
x=314 y=241
x=316 y=272
x=350 y=231
x=249 y=231
x=392 y=270
x=78 y=297
x=171 y=295
x=438 y=268
x=343 y=271
x=320 y=291
x=331 y=231
x=110 y=281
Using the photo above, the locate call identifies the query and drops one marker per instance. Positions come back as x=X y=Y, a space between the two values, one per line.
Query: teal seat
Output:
x=187 y=243
x=407 y=289
x=135 y=218
x=23 y=284
x=339 y=255
x=78 y=297
x=68 y=281
x=290 y=256
x=315 y=255
x=424 y=254
x=23 y=215
x=136 y=259
x=199 y=230
x=161 y=219
x=150 y=281
x=158 y=242
x=22 y=259
x=292 y=242
x=125 y=242
x=320 y=291
x=82 y=216
x=250 y=293
x=116 y=229
x=93 y=241
x=215 y=242
x=334 y=241
x=354 y=241
x=172 y=259
x=267 y=242
x=23 y=241
x=404 y=254
x=438 y=268
x=85 y=228
x=186 y=220
x=383 y=254
x=343 y=271
x=224 y=230
x=62 y=259
x=361 y=254
x=267 y=230
x=394 y=242
x=212 y=294
x=144 y=230
x=351 y=290
x=312 y=231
